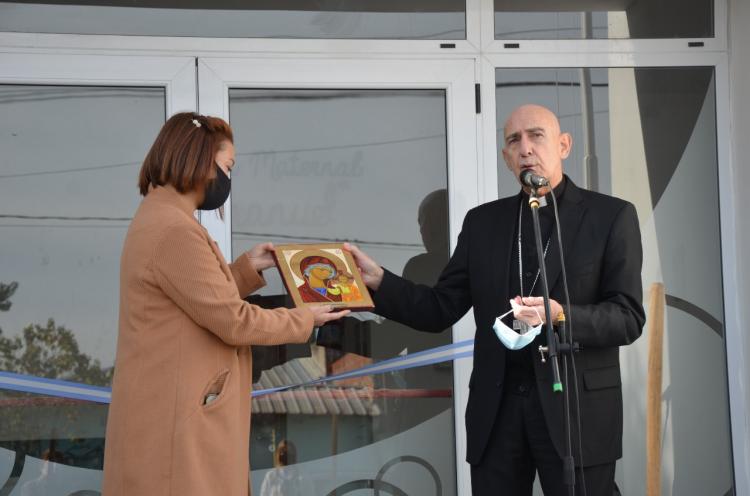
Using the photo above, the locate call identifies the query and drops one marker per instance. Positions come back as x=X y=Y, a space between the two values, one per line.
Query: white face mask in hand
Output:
x=510 y=338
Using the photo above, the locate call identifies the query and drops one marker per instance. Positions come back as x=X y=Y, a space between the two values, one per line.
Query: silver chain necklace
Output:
x=520 y=258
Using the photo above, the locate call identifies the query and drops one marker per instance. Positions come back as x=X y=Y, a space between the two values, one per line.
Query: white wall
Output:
x=739 y=108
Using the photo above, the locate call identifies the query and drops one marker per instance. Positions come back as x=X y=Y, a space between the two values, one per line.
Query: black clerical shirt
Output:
x=519 y=371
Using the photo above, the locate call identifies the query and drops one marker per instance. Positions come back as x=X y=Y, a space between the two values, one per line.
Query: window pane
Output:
x=50 y=445
x=71 y=156
x=367 y=166
x=346 y=19
x=648 y=135
x=68 y=175
x=609 y=19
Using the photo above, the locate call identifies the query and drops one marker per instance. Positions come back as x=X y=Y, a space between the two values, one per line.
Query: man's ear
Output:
x=566 y=144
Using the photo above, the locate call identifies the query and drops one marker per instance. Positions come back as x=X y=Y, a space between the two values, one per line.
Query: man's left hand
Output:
x=531 y=308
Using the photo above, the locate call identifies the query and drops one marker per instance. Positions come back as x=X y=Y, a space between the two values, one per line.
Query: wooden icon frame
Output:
x=303 y=267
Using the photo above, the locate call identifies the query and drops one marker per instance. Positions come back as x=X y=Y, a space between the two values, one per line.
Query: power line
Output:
x=262 y=152
x=522 y=84
x=343 y=147
x=47 y=93
x=254 y=95
x=327 y=240
x=62 y=217
x=249 y=234
x=65 y=171
x=66 y=226
x=504 y=35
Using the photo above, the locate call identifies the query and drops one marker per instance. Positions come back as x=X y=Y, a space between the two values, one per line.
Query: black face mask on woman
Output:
x=217 y=191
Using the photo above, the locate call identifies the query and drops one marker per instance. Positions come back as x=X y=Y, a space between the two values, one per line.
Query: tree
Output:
x=49 y=351
x=6 y=291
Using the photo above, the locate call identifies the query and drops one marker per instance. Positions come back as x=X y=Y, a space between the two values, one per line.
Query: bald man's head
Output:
x=531 y=110
x=533 y=141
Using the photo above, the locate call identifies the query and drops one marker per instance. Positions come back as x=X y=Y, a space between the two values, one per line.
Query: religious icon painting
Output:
x=322 y=274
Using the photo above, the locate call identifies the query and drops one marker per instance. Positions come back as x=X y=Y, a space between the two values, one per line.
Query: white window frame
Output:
x=456 y=76
x=175 y=74
x=196 y=46
x=736 y=363
x=491 y=45
x=34 y=58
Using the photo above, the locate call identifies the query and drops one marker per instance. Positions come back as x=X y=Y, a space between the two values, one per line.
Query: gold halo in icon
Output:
x=294 y=262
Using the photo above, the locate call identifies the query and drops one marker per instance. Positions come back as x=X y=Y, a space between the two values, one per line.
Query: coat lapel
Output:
x=571 y=210
x=502 y=244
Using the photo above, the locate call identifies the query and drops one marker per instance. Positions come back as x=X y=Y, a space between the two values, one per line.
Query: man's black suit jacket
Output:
x=603 y=257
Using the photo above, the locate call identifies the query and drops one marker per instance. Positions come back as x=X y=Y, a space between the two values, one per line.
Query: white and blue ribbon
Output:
x=73 y=390
x=54 y=387
x=440 y=354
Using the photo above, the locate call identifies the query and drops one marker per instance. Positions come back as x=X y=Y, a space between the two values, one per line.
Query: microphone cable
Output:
x=569 y=332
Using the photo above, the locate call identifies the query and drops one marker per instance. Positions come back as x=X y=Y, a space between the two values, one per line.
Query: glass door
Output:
x=382 y=154
x=74 y=132
x=649 y=134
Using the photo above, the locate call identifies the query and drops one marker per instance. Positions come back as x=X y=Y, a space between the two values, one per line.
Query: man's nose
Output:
x=526 y=148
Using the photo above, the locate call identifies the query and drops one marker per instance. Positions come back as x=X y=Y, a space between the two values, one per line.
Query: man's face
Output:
x=533 y=141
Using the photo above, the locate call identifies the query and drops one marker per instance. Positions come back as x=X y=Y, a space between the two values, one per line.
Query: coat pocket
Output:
x=215 y=390
x=608 y=377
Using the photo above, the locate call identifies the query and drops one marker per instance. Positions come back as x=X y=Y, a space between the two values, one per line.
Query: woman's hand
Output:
x=372 y=273
x=261 y=256
x=323 y=314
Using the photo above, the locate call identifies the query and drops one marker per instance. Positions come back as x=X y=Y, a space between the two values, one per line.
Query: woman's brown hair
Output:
x=286 y=454
x=184 y=153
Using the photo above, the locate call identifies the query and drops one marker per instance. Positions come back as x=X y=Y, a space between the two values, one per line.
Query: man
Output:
x=514 y=420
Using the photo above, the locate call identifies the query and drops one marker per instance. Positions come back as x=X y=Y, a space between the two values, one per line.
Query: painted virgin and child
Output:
x=325 y=282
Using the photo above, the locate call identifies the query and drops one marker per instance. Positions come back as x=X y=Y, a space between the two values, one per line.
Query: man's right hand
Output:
x=372 y=273
x=324 y=313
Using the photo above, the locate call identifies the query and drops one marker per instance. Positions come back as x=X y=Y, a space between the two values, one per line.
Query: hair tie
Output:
x=197 y=124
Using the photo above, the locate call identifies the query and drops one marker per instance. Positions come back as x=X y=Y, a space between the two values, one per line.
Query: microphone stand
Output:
x=552 y=343
x=553 y=346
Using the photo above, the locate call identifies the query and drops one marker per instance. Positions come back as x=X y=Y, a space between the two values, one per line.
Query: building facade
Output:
x=379 y=125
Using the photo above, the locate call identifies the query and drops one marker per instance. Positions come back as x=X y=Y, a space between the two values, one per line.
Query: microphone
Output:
x=532 y=180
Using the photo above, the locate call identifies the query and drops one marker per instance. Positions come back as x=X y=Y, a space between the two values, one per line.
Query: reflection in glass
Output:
x=70 y=163
x=581 y=109
x=609 y=19
x=648 y=135
x=343 y=19
x=50 y=445
x=67 y=192
x=367 y=166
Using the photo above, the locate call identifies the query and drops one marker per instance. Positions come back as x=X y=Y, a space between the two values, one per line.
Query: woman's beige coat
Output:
x=185 y=333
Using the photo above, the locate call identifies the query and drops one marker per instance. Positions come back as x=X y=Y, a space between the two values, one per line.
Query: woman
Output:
x=283 y=479
x=179 y=420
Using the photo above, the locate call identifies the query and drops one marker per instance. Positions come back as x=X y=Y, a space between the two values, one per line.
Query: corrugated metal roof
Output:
x=320 y=399
x=326 y=399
